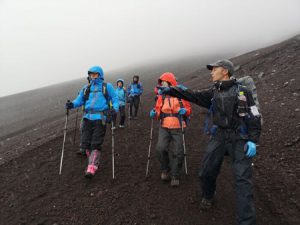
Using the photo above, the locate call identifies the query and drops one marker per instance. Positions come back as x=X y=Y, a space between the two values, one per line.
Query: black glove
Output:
x=69 y=105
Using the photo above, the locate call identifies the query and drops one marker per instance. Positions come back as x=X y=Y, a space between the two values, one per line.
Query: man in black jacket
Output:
x=236 y=130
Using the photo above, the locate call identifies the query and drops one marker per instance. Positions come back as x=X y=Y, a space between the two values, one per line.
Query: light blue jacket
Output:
x=135 y=89
x=96 y=102
x=121 y=93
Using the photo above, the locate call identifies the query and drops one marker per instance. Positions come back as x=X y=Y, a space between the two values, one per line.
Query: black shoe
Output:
x=164 y=176
x=81 y=152
x=206 y=204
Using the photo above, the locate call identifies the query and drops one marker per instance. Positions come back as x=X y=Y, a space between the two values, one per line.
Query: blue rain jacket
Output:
x=121 y=93
x=135 y=89
x=96 y=102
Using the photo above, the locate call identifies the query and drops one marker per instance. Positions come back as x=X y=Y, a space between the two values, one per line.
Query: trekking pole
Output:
x=149 y=149
x=183 y=143
x=63 y=146
x=76 y=119
x=129 y=114
x=113 y=149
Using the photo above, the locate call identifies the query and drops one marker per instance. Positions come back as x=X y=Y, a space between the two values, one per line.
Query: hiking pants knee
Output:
x=92 y=136
x=174 y=163
x=242 y=172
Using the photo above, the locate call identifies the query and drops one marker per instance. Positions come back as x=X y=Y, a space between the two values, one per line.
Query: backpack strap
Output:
x=87 y=91
x=184 y=117
x=164 y=115
x=105 y=94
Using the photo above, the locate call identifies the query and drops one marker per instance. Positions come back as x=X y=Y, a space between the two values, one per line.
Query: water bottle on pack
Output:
x=242 y=104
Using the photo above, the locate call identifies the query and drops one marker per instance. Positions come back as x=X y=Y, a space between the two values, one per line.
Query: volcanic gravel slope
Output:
x=32 y=192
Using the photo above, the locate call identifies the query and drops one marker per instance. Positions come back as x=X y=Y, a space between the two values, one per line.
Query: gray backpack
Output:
x=248 y=82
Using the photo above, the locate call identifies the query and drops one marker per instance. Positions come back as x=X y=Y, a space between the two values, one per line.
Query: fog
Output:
x=46 y=42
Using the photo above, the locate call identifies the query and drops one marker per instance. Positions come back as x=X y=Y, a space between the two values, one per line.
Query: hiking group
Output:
x=233 y=123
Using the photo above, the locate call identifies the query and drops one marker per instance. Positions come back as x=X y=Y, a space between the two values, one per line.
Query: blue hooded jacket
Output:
x=135 y=89
x=96 y=102
x=121 y=93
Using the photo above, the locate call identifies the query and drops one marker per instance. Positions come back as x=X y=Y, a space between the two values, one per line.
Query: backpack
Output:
x=247 y=82
x=185 y=118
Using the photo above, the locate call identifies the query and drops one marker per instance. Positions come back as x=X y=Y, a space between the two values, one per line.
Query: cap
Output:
x=225 y=63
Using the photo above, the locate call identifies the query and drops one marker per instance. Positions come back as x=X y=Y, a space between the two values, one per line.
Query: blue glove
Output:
x=182 y=87
x=250 y=149
x=69 y=105
x=163 y=90
x=152 y=113
x=182 y=111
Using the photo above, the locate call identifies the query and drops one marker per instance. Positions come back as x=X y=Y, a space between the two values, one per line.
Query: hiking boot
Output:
x=174 y=182
x=121 y=126
x=164 y=176
x=91 y=170
x=81 y=151
x=206 y=204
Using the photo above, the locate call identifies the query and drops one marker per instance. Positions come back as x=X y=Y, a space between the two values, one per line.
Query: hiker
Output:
x=170 y=111
x=134 y=91
x=121 y=93
x=236 y=129
x=95 y=98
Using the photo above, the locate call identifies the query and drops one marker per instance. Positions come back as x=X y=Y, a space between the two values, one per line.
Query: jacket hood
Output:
x=169 y=77
x=137 y=77
x=120 y=80
x=97 y=69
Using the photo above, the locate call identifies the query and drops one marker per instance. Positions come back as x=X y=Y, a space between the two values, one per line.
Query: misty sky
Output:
x=43 y=42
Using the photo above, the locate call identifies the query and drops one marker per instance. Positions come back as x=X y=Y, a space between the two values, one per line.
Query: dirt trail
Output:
x=31 y=192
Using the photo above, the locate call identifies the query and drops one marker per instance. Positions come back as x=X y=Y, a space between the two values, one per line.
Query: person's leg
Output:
x=86 y=136
x=81 y=151
x=99 y=131
x=177 y=156
x=177 y=153
x=163 y=142
x=122 y=115
x=130 y=99
x=136 y=104
x=211 y=164
x=242 y=171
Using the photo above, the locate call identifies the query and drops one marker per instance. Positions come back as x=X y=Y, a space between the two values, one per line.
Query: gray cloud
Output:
x=47 y=42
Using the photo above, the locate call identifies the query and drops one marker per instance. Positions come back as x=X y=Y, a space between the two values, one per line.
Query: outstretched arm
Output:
x=199 y=97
